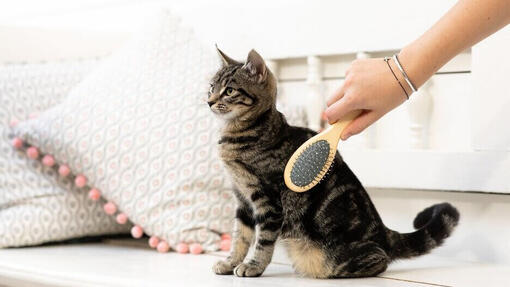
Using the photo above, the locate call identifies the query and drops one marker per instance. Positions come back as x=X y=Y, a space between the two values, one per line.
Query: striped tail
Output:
x=433 y=225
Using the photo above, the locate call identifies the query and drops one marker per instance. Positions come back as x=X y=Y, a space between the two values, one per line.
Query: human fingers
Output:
x=340 y=108
x=359 y=124
x=337 y=95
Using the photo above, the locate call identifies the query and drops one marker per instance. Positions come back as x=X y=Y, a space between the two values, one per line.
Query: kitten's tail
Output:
x=434 y=224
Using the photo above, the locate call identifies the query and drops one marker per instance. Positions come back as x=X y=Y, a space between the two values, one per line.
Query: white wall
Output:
x=279 y=28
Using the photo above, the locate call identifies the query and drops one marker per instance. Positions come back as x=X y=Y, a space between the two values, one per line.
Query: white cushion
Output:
x=140 y=131
x=35 y=206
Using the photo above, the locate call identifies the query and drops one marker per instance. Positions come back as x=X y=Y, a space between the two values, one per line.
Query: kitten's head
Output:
x=242 y=91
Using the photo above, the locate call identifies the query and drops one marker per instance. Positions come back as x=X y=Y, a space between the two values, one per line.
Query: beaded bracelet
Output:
x=387 y=59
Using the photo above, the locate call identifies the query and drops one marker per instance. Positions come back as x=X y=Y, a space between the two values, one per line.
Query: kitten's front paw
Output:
x=223 y=267
x=248 y=270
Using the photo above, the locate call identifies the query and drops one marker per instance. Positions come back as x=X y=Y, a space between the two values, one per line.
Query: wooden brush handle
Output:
x=335 y=131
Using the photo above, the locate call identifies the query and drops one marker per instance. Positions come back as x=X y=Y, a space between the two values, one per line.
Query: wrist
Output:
x=414 y=63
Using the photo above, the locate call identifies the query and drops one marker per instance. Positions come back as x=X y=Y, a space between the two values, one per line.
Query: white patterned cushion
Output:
x=140 y=131
x=35 y=207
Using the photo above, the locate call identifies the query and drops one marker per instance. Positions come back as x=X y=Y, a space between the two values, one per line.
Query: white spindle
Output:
x=419 y=108
x=316 y=101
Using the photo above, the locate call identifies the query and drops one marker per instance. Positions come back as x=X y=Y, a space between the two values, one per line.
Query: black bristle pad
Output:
x=310 y=163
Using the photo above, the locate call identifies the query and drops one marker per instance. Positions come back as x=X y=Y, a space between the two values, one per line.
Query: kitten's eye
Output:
x=230 y=92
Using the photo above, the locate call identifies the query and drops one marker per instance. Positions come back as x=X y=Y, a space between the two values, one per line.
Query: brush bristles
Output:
x=312 y=164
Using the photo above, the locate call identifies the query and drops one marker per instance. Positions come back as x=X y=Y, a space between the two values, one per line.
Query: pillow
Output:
x=35 y=206
x=139 y=131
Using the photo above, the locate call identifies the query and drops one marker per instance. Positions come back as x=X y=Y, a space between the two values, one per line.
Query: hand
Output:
x=369 y=86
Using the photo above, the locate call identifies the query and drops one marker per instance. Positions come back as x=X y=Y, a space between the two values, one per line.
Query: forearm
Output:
x=467 y=23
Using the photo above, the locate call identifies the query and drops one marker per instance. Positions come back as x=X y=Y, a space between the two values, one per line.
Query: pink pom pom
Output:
x=195 y=248
x=154 y=241
x=226 y=236
x=121 y=218
x=48 y=160
x=163 y=247
x=80 y=180
x=182 y=248
x=225 y=245
x=110 y=208
x=14 y=122
x=95 y=194
x=64 y=170
x=136 y=231
x=33 y=152
x=17 y=143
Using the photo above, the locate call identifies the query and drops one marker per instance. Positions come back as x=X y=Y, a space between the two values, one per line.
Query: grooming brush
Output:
x=312 y=160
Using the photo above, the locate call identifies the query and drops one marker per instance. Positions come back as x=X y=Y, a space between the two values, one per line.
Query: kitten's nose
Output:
x=210 y=103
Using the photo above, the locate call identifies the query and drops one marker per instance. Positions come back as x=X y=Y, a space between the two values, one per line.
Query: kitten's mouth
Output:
x=220 y=109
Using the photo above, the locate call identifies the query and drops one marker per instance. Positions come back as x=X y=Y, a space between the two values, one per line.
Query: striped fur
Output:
x=330 y=231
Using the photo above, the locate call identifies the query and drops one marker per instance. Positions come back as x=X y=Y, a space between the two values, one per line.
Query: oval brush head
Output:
x=312 y=160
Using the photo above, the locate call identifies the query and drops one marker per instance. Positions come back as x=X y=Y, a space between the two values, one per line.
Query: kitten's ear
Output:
x=226 y=59
x=256 y=66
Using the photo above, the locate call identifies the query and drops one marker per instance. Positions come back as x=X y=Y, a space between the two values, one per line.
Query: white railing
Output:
x=423 y=144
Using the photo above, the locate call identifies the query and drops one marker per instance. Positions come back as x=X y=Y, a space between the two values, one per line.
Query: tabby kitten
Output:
x=330 y=231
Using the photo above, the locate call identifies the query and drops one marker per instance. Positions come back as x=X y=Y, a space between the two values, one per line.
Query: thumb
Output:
x=359 y=124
